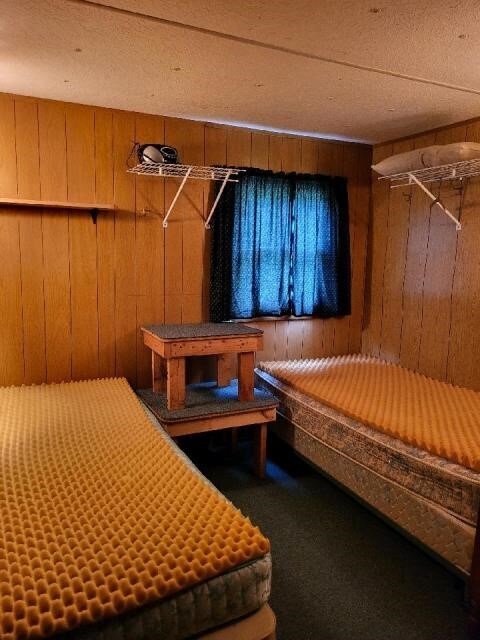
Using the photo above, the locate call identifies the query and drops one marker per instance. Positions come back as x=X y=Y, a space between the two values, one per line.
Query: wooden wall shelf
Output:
x=92 y=207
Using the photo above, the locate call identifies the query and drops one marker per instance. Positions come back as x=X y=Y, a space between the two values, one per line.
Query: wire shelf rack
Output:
x=181 y=170
x=420 y=177
x=188 y=172
x=454 y=171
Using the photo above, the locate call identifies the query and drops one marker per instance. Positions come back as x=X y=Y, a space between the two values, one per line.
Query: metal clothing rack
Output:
x=188 y=172
x=454 y=171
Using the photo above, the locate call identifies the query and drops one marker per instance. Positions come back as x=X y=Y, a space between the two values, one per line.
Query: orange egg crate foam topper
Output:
x=99 y=513
x=435 y=416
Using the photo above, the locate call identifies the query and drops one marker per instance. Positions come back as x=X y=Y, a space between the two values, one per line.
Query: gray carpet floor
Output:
x=339 y=571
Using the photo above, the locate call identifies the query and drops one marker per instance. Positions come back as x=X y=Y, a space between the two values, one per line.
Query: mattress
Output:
x=433 y=500
x=108 y=531
x=426 y=413
x=448 y=484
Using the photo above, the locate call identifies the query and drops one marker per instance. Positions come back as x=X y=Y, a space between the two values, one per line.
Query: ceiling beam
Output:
x=272 y=47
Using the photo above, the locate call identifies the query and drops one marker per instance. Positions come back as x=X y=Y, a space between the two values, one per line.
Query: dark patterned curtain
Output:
x=280 y=247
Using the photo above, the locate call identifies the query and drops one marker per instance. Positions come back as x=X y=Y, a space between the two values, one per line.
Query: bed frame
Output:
x=257 y=626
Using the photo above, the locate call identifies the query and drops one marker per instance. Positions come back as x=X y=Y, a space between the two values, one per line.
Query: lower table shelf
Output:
x=205 y=400
x=210 y=408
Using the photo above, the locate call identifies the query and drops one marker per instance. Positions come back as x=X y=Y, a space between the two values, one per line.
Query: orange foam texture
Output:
x=431 y=415
x=98 y=512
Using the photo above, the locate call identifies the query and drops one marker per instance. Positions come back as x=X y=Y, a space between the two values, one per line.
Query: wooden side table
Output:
x=208 y=406
x=172 y=343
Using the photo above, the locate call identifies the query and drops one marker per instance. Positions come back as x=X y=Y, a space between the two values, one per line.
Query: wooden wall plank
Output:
x=239 y=147
x=330 y=158
x=105 y=243
x=268 y=328
x=275 y=152
x=33 y=296
x=193 y=226
x=464 y=347
x=349 y=170
x=174 y=136
x=31 y=245
x=53 y=150
x=438 y=279
x=125 y=293
x=215 y=145
x=56 y=278
x=377 y=243
x=80 y=142
x=80 y=135
x=291 y=154
x=281 y=340
x=55 y=234
x=395 y=264
x=11 y=335
x=149 y=243
x=28 y=159
x=8 y=154
x=359 y=253
x=259 y=150
x=309 y=156
x=12 y=366
x=415 y=260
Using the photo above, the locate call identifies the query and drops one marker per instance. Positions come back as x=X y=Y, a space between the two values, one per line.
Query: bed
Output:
x=368 y=425
x=110 y=532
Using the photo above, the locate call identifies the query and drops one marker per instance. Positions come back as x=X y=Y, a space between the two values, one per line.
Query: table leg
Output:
x=159 y=373
x=224 y=369
x=175 y=383
x=246 y=365
x=260 y=449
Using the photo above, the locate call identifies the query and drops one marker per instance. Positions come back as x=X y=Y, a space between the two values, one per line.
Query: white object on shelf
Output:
x=428 y=157
x=188 y=172
x=421 y=177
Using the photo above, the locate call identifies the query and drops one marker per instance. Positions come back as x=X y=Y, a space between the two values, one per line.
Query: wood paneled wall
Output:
x=423 y=284
x=73 y=294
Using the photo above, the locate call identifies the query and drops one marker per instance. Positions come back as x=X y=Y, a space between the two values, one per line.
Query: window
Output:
x=281 y=247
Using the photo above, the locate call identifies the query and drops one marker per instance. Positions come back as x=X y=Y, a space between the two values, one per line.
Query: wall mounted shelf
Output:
x=92 y=207
x=187 y=172
x=420 y=177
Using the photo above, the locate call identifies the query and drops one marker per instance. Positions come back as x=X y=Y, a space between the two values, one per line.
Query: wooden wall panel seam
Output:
x=451 y=308
x=95 y=187
x=405 y=270
x=19 y=241
x=21 y=296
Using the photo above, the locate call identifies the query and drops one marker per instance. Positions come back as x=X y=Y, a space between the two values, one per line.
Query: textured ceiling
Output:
x=337 y=68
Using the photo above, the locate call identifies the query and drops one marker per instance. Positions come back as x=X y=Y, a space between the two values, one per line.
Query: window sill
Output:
x=276 y=319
